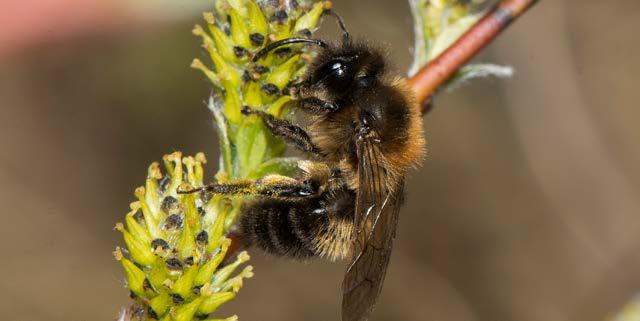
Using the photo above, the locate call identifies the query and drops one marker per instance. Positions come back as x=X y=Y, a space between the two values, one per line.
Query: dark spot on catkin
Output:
x=256 y=39
x=279 y=16
x=168 y=204
x=240 y=51
x=177 y=299
x=202 y=238
x=261 y=69
x=272 y=3
x=270 y=89
x=305 y=33
x=139 y=217
x=174 y=264
x=282 y=52
x=159 y=243
x=152 y=314
x=246 y=77
x=164 y=183
x=147 y=285
x=173 y=222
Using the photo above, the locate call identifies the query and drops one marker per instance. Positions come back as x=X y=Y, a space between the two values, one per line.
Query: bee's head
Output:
x=341 y=69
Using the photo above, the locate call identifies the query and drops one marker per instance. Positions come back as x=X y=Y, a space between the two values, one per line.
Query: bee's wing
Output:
x=376 y=218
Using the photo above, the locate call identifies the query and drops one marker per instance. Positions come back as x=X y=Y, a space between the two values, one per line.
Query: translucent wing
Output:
x=376 y=218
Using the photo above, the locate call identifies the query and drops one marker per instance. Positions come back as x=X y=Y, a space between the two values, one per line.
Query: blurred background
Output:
x=525 y=209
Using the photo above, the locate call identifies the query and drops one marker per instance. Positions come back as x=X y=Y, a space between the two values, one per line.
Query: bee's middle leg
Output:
x=316 y=105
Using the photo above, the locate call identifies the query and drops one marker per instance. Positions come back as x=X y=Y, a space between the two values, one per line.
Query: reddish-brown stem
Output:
x=428 y=79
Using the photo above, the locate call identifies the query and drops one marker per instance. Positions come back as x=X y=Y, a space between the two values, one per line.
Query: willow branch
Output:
x=430 y=77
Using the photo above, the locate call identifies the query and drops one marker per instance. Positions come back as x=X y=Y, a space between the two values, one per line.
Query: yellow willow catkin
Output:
x=175 y=244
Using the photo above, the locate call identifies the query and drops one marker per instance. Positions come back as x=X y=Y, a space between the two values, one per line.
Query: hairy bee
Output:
x=365 y=132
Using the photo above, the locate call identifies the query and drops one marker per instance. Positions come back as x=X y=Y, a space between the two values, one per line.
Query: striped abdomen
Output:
x=315 y=226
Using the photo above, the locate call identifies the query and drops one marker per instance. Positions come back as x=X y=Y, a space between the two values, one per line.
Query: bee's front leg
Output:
x=316 y=105
x=307 y=100
x=291 y=133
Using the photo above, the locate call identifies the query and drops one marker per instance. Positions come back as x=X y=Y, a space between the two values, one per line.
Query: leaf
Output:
x=438 y=24
x=473 y=71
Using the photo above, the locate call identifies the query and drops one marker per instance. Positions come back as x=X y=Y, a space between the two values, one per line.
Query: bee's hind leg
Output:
x=292 y=134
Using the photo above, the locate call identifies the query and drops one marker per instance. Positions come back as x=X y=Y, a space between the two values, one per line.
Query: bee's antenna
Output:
x=346 y=37
x=285 y=42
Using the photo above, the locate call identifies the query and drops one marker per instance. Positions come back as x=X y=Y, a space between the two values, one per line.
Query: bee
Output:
x=364 y=134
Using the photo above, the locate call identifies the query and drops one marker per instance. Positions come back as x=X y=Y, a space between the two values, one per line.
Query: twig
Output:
x=430 y=77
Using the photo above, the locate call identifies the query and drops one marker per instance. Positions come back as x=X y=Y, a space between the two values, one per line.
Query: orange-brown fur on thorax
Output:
x=333 y=135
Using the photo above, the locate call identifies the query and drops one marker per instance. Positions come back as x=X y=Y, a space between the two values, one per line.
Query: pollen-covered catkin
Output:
x=175 y=244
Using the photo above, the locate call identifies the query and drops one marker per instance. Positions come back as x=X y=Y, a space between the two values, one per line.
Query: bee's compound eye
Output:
x=338 y=69
x=336 y=75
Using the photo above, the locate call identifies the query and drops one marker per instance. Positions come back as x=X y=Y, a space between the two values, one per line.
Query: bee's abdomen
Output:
x=295 y=228
x=267 y=224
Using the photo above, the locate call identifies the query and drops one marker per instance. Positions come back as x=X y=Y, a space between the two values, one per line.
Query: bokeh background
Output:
x=525 y=209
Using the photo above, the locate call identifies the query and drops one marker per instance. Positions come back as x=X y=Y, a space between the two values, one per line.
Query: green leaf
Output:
x=473 y=71
x=437 y=24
